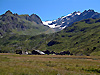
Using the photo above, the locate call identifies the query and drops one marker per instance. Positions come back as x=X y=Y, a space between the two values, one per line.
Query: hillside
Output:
x=21 y=24
x=11 y=43
x=81 y=38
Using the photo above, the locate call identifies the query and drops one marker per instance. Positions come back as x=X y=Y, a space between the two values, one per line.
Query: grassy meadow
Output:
x=12 y=64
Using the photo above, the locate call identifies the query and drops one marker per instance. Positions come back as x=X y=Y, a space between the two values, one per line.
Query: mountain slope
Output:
x=21 y=24
x=81 y=38
x=66 y=21
x=11 y=43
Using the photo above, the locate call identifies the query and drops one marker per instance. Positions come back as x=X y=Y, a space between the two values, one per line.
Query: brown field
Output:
x=12 y=64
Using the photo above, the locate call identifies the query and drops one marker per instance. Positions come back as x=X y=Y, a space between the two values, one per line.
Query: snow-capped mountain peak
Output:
x=69 y=19
x=78 y=13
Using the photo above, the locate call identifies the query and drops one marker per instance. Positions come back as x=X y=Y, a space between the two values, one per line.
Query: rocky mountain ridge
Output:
x=66 y=21
x=21 y=24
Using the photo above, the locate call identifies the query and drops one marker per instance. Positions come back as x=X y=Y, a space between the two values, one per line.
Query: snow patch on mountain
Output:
x=78 y=13
x=69 y=14
x=47 y=22
x=69 y=19
x=63 y=22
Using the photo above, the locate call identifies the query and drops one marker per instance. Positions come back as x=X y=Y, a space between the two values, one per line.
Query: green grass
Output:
x=11 y=43
x=12 y=64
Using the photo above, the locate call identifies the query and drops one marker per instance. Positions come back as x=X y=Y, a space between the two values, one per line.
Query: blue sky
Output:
x=48 y=9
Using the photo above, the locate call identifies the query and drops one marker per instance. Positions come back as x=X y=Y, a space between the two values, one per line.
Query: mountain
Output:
x=80 y=38
x=68 y=20
x=21 y=24
x=20 y=32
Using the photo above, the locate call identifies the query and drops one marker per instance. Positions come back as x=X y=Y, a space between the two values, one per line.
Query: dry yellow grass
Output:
x=12 y=64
